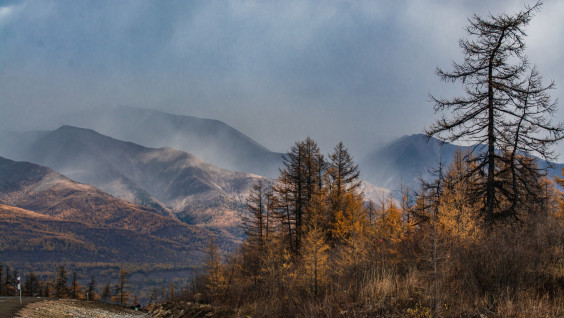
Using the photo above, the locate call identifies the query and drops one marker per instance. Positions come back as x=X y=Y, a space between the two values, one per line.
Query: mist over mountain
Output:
x=46 y=216
x=211 y=140
x=165 y=179
x=405 y=159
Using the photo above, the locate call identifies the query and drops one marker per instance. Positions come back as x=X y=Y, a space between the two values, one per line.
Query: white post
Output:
x=20 y=289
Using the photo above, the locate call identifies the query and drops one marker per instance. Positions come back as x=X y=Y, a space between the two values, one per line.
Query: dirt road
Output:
x=10 y=305
x=77 y=309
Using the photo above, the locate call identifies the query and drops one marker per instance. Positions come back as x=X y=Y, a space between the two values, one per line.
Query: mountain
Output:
x=45 y=216
x=403 y=160
x=166 y=179
x=211 y=140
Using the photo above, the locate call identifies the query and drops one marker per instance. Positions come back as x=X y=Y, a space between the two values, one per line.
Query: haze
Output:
x=357 y=71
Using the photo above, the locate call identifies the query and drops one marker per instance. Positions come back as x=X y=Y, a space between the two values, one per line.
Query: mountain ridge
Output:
x=211 y=140
x=175 y=181
x=404 y=160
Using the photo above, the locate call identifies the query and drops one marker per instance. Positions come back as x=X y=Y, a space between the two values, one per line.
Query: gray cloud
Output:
x=357 y=71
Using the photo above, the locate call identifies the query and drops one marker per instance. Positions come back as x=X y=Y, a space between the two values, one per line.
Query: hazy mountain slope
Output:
x=211 y=140
x=197 y=192
x=45 y=212
x=407 y=158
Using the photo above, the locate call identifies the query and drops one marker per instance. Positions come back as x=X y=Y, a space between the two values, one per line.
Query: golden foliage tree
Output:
x=456 y=214
x=315 y=258
x=216 y=281
x=120 y=289
x=560 y=181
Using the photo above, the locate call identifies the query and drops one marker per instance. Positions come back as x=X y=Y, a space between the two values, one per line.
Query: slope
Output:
x=46 y=216
x=197 y=192
x=211 y=140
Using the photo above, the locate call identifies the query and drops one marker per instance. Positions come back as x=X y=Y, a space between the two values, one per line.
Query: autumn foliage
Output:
x=316 y=247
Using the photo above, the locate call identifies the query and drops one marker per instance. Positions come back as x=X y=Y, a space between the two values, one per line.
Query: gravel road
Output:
x=76 y=309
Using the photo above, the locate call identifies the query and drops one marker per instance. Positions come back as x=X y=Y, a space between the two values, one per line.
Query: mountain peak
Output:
x=211 y=140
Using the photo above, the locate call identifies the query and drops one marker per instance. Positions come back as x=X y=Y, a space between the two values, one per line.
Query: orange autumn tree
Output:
x=456 y=214
x=560 y=181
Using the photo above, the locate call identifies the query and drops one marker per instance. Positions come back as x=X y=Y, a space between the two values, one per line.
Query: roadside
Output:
x=77 y=309
x=10 y=305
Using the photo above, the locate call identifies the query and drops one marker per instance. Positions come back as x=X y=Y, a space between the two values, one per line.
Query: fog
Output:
x=278 y=71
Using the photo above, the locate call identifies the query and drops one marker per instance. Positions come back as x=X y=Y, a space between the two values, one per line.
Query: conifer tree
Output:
x=75 y=287
x=8 y=283
x=315 y=257
x=106 y=293
x=258 y=224
x=31 y=285
x=120 y=289
x=560 y=181
x=91 y=291
x=506 y=108
x=61 y=289
x=456 y=215
x=344 y=175
x=299 y=179
x=215 y=278
x=49 y=288
x=370 y=211
x=390 y=224
x=15 y=282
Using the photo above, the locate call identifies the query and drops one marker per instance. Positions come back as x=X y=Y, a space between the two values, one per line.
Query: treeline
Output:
x=315 y=247
x=57 y=285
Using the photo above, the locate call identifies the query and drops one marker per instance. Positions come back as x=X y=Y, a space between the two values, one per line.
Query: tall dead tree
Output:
x=505 y=112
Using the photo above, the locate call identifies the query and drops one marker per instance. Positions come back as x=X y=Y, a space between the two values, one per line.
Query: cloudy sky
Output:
x=357 y=71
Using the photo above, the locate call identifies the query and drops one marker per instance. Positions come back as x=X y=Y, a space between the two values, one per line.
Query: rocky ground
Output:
x=76 y=309
x=185 y=309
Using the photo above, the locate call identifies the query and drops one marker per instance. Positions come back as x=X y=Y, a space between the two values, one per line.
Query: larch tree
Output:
x=315 y=257
x=560 y=181
x=120 y=289
x=90 y=292
x=8 y=283
x=256 y=223
x=343 y=172
x=216 y=280
x=106 y=293
x=457 y=216
x=505 y=109
x=75 y=287
x=258 y=226
x=370 y=211
x=300 y=178
x=61 y=288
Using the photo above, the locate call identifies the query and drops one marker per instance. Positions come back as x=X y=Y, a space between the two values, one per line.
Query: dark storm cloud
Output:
x=277 y=70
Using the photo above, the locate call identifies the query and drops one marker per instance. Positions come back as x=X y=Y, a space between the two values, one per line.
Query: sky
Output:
x=278 y=71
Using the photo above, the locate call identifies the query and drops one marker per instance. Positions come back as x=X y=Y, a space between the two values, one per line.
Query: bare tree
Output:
x=505 y=112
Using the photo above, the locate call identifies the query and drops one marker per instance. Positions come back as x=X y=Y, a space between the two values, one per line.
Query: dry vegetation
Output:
x=425 y=255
